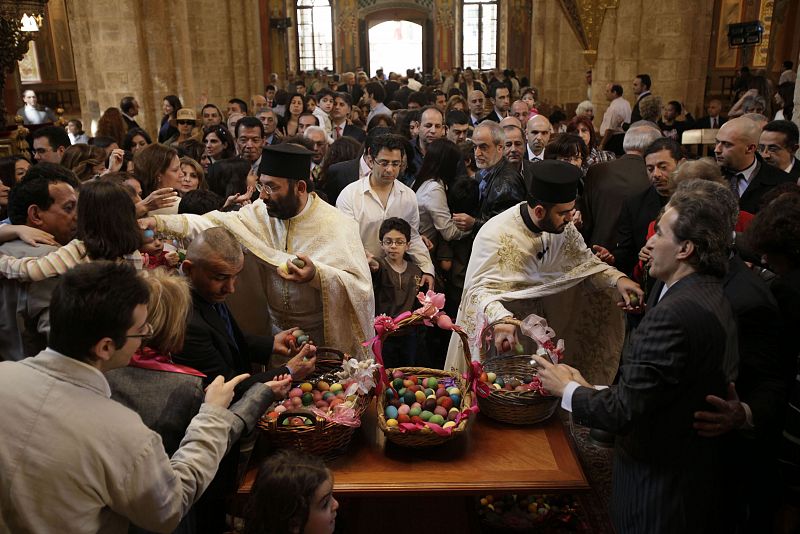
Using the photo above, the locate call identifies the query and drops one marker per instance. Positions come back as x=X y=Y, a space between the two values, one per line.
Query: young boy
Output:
x=396 y=281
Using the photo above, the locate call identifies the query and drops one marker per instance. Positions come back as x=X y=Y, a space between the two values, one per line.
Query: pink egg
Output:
x=316 y=395
x=295 y=392
x=403 y=409
x=297 y=401
x=397 y=374
x=321 y=404
x=440 y=410
x=417 y=405
x=441 y=392
x=280 y=408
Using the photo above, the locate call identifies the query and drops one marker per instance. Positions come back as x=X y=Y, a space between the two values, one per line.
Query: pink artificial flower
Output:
x=431 y=304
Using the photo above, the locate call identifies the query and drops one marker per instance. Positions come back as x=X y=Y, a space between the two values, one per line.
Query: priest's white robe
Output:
x=337 y=307
x=517 y=271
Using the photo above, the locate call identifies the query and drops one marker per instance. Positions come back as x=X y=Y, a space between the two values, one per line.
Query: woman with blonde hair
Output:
x=194 y=177
x=456 y=102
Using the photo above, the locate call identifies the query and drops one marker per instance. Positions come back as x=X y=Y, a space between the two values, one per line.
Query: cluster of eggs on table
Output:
x=411 y=399
x=527 y=383
x=321 y=395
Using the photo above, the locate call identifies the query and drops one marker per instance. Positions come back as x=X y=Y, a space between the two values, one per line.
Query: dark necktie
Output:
x=735 y=179
x=222 y=310
x=713 y=122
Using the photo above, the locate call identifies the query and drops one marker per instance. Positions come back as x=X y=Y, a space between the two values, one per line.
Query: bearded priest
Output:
x=328 y=293
x=530 y=259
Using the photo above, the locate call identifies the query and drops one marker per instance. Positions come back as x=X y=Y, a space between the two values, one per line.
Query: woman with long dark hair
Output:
x=295 y=106
x=169 y=107
x=219 y=143
x=135 y=140
x=439 y=170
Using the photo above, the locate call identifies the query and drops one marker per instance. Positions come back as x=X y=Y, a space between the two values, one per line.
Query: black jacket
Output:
x=505 y=187
x=339 y=176
x=765 y=178
x=637 y=213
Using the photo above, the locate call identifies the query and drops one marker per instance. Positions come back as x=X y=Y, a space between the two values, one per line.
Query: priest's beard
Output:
x=547 y=224
x=286 y=206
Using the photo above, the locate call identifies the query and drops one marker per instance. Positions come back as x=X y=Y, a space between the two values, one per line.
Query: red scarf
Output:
x=147 y=358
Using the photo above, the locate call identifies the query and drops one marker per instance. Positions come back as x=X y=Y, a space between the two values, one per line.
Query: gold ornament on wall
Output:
x=445 y=17
x=586 y=19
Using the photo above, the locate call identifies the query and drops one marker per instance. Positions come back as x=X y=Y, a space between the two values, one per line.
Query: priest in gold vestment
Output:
x=532 y=259
x=330 y=297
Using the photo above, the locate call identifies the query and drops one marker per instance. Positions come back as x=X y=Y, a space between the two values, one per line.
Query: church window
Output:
x=315 y=34
x=479 y=34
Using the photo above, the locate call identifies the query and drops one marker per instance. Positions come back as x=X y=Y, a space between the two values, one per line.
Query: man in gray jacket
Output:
x=72 y=459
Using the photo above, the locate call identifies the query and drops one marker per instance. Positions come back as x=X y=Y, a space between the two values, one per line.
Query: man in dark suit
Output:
x=351 y=87
x=340 y=175
x=661 y=159
x=667 y=478
x=499 y=183
x=713 y=120
x=130 y=108
x=778 y=144
x=477 y=113
x=608 y=184
x=501 y=100
x=214 y=343
x=343 y=104
x=641 y=88
x=514 y=153
x=736 y=152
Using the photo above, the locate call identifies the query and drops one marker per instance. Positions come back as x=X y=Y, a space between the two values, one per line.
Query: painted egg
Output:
x=449 y=424
x=416 y=419
x=306 y=387
x=336 y=388
x=419 y=396
x=409 y=397
x=323 y=386
x=295 y=392
x=446 y=402
x=432 y=382
x=436 y=419
x=456 y=400
x=426 y=415
x=298 y=263
x=308 y=399
x=397 y=374
x=491 y=377
x=403 y=418
x=440 y=410
x=280 y=408
x=390 y=412
x=414 y=410
x=391 y=423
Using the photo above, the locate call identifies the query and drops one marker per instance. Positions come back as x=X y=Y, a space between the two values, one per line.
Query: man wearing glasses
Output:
x=72 y=459
x=328 y=292
x=778 y=144
x=380 y=195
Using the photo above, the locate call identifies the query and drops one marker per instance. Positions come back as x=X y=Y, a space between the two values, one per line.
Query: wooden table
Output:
x=492 y=457
x=438 y=485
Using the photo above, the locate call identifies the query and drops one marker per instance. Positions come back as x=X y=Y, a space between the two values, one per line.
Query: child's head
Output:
x=200 y=202
x=292 y=494
x=395 y=235
x=463 y=196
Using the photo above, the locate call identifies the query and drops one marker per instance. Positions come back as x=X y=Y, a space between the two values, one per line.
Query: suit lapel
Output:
x=211 y=316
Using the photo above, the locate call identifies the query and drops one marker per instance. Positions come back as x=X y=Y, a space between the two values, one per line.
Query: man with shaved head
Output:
x=538 y=130
x=510 y=121
x=514 y=150
x=736 y=152
x=477 y=111
x=521 y=111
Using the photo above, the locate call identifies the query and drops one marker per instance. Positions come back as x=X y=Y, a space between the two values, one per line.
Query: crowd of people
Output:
x=131 y=375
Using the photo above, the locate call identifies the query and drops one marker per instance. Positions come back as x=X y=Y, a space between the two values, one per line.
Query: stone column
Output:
x=150 y=50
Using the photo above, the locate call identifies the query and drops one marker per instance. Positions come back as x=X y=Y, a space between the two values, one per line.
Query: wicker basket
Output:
x=426 y=437
x=514 y=407
x=324 y=438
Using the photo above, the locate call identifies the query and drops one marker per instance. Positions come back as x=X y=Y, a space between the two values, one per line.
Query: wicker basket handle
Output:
x=300 y=412
x=335 y=355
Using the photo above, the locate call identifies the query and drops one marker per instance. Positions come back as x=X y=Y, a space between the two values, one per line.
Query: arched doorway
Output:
x=395 y=45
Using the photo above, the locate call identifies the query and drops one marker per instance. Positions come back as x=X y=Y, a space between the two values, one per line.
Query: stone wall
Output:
x=152 y=49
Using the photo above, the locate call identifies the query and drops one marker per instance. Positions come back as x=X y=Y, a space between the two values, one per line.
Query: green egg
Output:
x=397 y=383
x=429 y=391
x=437 y=419
x=308 y=399
x=500 y=382
x=409 y=397
x=425 y=415
x=432 y=383
x=416 y=410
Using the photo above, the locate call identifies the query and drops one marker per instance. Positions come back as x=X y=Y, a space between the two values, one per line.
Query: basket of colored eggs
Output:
x=511 y=391
x=318 y=416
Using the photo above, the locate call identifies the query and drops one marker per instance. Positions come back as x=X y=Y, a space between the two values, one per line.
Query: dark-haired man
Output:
x=341 y=174
x=329 y=292
x=249 y=133
x=778 y=144
x=45 y=199
x=457 y=126
x=380 y=195
x=666 y=477
x=49 y=144
x=375 y=94
x=237 y=105
x=32 y=112
x=343 y=104
x=91 y=459
x=641 y=88
x=501 y=100
x=129 y=107
x=618 y=112
x=531 y=259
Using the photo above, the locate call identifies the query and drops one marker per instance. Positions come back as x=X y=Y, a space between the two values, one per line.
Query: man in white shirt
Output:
x=381 y=195
x=618 y=112
x=32 y=113
x=538 y=131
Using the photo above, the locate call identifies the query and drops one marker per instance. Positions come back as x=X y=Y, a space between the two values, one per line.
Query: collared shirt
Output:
x=474 y=121
x=338 y=129
x=128 y=116
x=534 y=157
x=363 y=167
x=618 y=113
x=641 y=96
x=360 y=202
x=380 y=109
x=744 y=183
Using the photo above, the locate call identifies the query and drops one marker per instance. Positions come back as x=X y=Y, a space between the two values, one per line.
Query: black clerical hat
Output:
x=554 y=181
x=286 y=160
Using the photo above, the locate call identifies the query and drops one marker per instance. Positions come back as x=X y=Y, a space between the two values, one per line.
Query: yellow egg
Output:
x=391 y=423
x=306 y=387
x=449 y=424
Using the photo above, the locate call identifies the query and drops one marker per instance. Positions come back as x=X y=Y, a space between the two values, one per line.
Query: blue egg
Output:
x=391 y=412
x=149 y=233
x=456 y=400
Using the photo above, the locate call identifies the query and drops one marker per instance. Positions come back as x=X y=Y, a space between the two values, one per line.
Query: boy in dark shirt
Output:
x=396 y=282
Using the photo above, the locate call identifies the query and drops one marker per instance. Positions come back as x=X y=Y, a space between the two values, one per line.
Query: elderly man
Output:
x=520 y=110
x=737 y=154
x=129 y=107
x=530 y=258
x=32 y=113
x=667 y=478
x=500 y=184
x=328 y=292
x=316 y=134
x=539 y=131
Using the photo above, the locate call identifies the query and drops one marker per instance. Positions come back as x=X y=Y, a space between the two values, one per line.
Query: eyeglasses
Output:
x=263 y=188
x=772 y=149
x=390 y=242
x=384 y=163
x=185 y=122
x=148 y=332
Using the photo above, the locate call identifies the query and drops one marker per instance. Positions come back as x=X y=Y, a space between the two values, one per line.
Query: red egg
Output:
x=416 y=419
x=445 y=402
x=403 y=418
